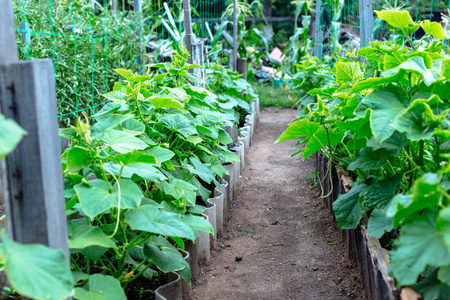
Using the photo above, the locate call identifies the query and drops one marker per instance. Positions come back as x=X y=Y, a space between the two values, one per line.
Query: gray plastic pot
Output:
x=176 y=288
x=225 y=190
x=218 y=201
x=192 y=248
x=230 y=179
x=203 y=246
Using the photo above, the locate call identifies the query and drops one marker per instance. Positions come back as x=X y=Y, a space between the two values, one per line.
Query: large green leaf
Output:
x=97 y=195
x=152 y=219
x=165 y=258
x=84 y=236
x=416 y=65
x=379 y=223
x=348 y=72
x=161 y=154
x=164 y=102
x=425 y=194
x=431 y=288
x=101 y=287
x=134 y=157
x=371 y=83
x=369 y=159
x=37 y=271
x=319 y=140
x=109 y=123
x=433 y=28
x=347 y=209
x=198 y=223
x=10 y=135
x=298 y=129
x=201 y=170
x=179 y=123
x=123 y=142
x=380 y=193
x=78 y=158
x=397 y=18
x=420 y=244
x=180 y=189
x=386 y=106
x=142 y=170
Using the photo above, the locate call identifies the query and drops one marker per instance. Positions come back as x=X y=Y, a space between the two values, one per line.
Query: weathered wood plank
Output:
x=188 y=26
x=35 y=204
x=235 y=36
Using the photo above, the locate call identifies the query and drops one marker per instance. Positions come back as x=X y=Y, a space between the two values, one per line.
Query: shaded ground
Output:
x=281 y=228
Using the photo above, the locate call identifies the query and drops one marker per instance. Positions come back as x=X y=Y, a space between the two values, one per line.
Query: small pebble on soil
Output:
x=238 y=258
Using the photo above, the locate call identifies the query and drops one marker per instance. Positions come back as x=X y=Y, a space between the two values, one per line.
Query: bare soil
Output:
x=289 y=244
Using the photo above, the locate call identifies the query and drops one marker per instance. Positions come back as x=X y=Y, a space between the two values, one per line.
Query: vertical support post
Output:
x=242 y=67
x=114 y=6
x=32 y=174
x=137 y=7
x=92 y=3
x=188 y=27
x=8 y=49
x=199 y=59
x=365 y=22
x=318 y=43
x=235 y=36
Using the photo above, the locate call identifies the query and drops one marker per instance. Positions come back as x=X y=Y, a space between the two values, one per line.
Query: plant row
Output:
x=386 y=121
x=137 y=177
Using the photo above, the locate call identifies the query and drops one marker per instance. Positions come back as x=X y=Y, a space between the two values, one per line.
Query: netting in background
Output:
x=88 y=39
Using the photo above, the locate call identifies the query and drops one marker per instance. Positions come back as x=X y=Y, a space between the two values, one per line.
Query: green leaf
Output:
x=180 y=189
x=369 y=159
x=84 y=236
x=142 y=170
x=125 y=73
x=97 y=195
x=319 y=140
x=165 y=258
x=178 y=123
x=417 y=66
x=348 y=72
x=420 y=244
x=216 y=166
x=37 y=271
x=298 y=129
x=198 y=223
x=425 y=194
x=109 y=123
x=201 y=170
x=123 y=142
x=347 y=209
x=380 y=193
x=397 y=18
x=160 y=102
x=152 y=219
x=161 y=154
x=78 y=158
x=133 y=127
x=379 y=223
x=431 y=288
x=10 y=135
x=178 y=94
x=385 y=105
x=374 y=82
x=433 y=28
x=101 y=287
x=134 y=157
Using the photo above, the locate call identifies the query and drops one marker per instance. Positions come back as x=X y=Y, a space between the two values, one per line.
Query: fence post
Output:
x=318 y=46
x=114 y=6
x=137 y=7
x=242 y=67
x=233 y=64
x=198 y=59
x=188 y=27
x=33 y=192
x=365 y=22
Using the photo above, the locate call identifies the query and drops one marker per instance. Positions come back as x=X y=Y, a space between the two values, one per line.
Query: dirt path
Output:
x=282 y=230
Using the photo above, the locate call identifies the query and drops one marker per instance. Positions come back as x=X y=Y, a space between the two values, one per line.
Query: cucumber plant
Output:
x=387 y=122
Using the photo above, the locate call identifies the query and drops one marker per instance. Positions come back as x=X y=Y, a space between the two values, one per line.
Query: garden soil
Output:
x=278 y=224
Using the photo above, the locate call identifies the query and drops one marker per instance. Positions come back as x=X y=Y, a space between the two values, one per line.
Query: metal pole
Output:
x=365 y=22
x=235 y=36
x=318 y=46
x=188 y=27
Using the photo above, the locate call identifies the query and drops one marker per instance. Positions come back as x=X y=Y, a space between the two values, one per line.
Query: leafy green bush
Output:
x=387 y=122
